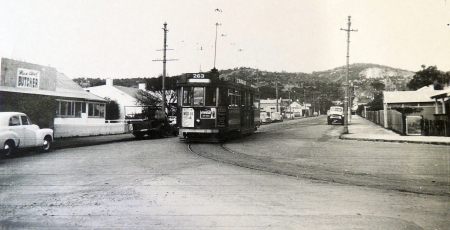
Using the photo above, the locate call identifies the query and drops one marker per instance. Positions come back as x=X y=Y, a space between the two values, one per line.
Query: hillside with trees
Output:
x=321 y=87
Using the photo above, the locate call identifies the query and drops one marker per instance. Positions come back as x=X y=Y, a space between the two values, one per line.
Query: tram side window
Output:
x=187 y=95
x=232 y=98
x=198 y=96
x=210 y=96
x=256 y=101
x=237 y=95
x=223 y=96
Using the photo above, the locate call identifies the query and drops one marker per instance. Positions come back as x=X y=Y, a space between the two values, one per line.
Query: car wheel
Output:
x=8 y=148
x=47 y=144
x=138 y=136
x=161 y=132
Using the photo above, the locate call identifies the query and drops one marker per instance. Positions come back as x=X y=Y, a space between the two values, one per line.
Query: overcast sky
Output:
x=120 y=38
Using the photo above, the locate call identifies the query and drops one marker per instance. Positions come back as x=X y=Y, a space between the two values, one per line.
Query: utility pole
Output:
x=347 y=76
x=163 y=107
x=276 y=91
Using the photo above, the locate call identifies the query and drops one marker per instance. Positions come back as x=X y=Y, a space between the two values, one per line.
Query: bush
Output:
x=39 y=108
x=112 y=110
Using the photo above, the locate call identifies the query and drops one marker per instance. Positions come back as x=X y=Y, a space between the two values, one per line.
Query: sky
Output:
x=125 y=38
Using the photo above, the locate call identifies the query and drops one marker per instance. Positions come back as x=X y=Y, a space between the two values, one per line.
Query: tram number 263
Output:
x=199 y=75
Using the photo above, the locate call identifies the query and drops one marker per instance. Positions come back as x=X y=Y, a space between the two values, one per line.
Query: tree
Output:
x=377 y=85
x=112 y=109
x=153 y=95
x=377 y=103
x=428 y=76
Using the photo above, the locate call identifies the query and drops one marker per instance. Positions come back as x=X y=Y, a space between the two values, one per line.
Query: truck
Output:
x=152 y=121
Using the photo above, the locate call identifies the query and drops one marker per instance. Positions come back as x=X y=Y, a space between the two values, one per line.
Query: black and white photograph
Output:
x=225 y=114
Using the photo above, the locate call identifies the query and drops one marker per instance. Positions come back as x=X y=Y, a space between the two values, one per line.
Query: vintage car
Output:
x=336 y=113
x=152 y=122
x=276 y=116
x=17 y=131
x=265 y=118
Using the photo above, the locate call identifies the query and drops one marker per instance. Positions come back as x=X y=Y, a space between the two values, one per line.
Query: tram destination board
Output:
x=199 y=77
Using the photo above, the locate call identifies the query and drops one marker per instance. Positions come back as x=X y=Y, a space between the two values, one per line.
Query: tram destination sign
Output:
x=199 y=77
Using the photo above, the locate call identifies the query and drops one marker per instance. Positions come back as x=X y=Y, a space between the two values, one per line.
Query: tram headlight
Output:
x=198 y=121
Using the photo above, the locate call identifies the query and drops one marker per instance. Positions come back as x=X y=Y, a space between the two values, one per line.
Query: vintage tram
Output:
x=215 y=108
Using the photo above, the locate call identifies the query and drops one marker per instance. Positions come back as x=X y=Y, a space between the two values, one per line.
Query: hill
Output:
x=321 y=86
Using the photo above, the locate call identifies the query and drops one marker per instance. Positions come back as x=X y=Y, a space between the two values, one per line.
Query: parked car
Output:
x=276 y=116
x=336 y=113
x=265 y=117
x=17 y=131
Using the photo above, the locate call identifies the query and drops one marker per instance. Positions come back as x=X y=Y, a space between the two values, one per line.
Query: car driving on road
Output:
x=336 y=113
x=17 y=131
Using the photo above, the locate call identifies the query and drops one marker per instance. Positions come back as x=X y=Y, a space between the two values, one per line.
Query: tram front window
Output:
x=187 y=94
x=210 y=96
x=198 y=96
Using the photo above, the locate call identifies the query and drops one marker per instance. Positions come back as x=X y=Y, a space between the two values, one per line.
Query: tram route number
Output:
x=198 y=75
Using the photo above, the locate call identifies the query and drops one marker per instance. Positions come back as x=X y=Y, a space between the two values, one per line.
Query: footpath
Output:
x=359 y=129
x=362 y=129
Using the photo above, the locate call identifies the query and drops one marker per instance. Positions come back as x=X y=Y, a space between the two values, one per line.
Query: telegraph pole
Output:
x=163 y=107
x=276 y=91
x=347 y=75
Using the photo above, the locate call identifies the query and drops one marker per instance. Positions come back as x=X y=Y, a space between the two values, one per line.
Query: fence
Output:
x=436 y=128
x=395 y=119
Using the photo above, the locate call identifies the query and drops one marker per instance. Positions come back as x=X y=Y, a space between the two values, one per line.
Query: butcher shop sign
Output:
x=28 y=78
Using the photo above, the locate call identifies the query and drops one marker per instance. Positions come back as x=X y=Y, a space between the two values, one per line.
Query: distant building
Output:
x=124 y=96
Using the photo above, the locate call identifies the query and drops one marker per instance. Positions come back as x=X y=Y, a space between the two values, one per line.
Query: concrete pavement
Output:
x=362 y=129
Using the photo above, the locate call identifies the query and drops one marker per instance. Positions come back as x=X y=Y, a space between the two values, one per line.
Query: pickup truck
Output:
x=152 y=122
x=336 y=113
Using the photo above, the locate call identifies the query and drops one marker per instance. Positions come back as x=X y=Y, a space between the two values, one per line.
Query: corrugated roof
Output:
x=409 y=96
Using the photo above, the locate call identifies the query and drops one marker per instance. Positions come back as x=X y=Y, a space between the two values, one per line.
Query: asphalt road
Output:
x=291 y=175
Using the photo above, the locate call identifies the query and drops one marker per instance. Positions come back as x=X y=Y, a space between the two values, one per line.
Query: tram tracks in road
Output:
x=220 y=153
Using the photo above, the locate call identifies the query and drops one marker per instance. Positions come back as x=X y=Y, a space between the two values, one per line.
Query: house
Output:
x=270 y=105
x=442 y=108
x=296 y=109
x=52 y=100
x=124 y=96
x=419 y=103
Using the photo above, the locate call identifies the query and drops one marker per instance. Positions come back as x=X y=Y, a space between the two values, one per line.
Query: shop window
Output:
x=96 y=110
x=66 y=109
x=79 y=107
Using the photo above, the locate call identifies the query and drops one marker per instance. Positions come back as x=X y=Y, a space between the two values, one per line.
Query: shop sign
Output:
x=28 y=78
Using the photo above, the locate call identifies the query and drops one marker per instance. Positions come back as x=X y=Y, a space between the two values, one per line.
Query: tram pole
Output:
x=163 y=107
x=347 y=76
x=215 y=46
x=163 y=88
